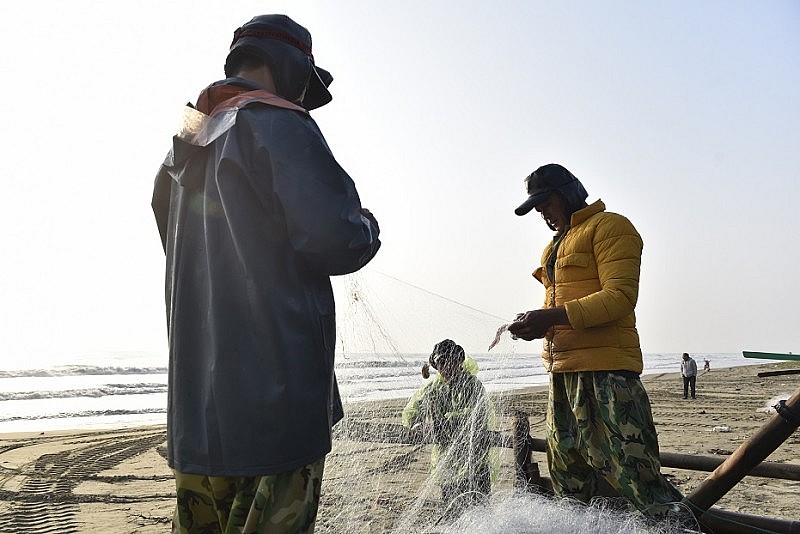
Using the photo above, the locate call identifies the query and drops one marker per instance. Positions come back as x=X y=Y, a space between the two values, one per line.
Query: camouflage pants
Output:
x=599 y=425
x=281 y=503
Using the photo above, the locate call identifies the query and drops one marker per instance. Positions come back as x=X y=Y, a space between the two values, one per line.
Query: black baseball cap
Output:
x=541 y=183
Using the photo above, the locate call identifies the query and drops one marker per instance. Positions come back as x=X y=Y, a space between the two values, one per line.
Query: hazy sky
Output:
x=683 y=116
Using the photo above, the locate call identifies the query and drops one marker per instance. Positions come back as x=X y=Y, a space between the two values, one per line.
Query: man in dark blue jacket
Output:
x=255 y=215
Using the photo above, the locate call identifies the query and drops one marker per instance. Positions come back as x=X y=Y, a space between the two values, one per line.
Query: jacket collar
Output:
x=232 y=93
x=582 y=214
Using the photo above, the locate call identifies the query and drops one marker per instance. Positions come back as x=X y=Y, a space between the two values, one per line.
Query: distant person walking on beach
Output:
x=689 y=374
x=255 y=215
x=599 y=422
x=454 y=410
x=706 y=364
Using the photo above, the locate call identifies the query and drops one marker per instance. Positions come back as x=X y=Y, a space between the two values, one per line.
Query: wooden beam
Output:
x=779 y=373
x=718 y=520
x=394 y=433
x=707 y=463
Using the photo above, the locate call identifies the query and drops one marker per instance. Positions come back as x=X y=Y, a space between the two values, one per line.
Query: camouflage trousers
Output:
x=283 y=503
x=599 y=426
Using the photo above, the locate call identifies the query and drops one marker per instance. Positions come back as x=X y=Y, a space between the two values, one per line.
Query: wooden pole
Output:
x=394 y=433
x=747 y=456
x=693 y=462
x=718 y=520
x=779 y=373
x=527 y=471
x=710 y=463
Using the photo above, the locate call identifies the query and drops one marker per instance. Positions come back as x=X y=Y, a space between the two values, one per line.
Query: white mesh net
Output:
x=378 y=479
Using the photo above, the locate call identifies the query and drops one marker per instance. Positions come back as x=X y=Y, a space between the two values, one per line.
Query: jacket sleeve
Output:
x=415 y=412
x=617 y=248
x=160 y=203
x=318 y=200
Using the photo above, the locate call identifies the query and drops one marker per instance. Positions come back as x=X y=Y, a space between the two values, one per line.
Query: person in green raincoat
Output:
x=454 y=411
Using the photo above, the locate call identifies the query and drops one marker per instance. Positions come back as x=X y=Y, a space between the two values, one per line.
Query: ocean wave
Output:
x=82 y=414
x=378 y=364
x=358 y=361
x=80 y=370
x=99 y=391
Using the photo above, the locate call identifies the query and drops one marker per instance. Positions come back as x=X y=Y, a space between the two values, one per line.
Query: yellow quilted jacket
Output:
x=597 y=282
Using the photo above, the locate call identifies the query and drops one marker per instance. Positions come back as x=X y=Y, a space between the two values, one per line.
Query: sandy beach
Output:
x=117 y=481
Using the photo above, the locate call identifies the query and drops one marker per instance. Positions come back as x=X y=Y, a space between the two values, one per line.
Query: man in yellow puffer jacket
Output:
x=599 y=422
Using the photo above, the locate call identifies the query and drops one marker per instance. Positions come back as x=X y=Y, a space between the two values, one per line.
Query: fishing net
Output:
x=381 y=477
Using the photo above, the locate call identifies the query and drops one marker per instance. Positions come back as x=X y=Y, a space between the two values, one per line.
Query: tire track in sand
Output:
x=45 y=502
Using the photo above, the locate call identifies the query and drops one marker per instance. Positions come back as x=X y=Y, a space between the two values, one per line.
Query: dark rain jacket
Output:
x=255 y=214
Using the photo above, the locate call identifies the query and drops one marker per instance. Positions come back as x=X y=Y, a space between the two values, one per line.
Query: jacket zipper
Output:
x=556 y=249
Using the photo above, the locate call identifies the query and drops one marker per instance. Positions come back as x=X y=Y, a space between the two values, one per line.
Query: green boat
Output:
x=771 y=356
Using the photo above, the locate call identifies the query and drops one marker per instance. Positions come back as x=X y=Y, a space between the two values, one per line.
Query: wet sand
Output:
x=117 y=481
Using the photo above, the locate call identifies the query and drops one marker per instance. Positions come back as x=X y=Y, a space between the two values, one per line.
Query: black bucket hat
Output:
x=443 y=350
x=548 y=179
x=286 y=47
